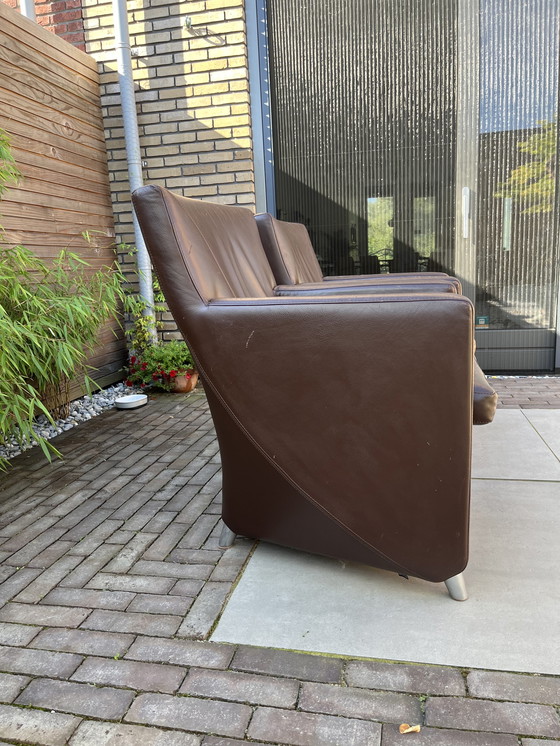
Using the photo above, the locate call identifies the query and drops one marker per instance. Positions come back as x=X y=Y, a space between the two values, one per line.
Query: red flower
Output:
x=128 y=383
x=132 y=360
x=188 y=375
x=155 y=376
x=144 y=366
x=172 y=373
x=142 y=385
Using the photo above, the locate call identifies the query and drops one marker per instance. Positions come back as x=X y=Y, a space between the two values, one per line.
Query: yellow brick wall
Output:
x=192 y=94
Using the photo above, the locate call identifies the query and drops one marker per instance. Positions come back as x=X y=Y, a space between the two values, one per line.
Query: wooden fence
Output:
x=50 y=106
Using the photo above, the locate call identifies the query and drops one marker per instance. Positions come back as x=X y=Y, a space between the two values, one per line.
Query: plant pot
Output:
x=184 y=382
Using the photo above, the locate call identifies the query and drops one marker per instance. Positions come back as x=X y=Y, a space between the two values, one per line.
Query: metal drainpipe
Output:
x=132 y=141
x=27 y=9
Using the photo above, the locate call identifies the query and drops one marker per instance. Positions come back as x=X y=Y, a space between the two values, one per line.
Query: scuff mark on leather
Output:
x=249 y=339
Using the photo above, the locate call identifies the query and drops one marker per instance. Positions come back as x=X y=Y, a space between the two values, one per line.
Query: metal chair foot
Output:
x=227 y=537
x=456 y=587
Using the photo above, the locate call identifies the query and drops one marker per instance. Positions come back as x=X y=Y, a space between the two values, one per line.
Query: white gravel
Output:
x=81 y=410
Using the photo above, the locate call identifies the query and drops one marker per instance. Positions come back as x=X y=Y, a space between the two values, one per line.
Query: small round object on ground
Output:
x=131 y=401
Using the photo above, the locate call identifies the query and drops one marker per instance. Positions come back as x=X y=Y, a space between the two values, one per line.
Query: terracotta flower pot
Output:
x=184 y=382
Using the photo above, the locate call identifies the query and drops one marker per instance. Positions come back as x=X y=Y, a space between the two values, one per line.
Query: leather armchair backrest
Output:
x=218 y=245
x=289 y=251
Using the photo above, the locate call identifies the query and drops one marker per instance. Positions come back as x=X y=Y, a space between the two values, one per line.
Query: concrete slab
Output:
x=511 y=447
x=293 y=600
x=547 y=424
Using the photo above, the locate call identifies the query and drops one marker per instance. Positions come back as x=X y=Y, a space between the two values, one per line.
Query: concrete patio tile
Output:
x=510 y=448
x=547 y=424
x=299 y=601
x=190 y=713
x=91 y=733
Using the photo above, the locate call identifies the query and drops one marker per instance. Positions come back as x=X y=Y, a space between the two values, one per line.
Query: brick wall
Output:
x=192 y=103
x=63 y=17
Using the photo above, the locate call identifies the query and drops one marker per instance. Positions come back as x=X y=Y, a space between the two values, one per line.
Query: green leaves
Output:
x=49 y=319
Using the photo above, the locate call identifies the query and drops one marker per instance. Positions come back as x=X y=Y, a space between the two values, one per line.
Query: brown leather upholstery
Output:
x=293 y=262
x=338 y=432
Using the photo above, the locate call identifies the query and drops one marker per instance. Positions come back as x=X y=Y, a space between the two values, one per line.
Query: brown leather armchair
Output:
x=344 y=422
x=293 y=261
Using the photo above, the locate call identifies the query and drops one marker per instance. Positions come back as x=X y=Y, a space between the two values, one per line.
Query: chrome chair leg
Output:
x=456 y=587
x=227 y=537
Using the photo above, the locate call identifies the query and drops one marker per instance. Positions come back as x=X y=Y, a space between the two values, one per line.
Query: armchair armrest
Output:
x=366 y=287
x=354 y=398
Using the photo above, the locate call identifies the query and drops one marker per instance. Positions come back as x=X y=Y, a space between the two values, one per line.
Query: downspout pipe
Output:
x=132 y=142
x=27 y=9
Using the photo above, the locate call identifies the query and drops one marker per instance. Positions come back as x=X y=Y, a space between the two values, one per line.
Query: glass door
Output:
x=507 y=245
x=412 y=135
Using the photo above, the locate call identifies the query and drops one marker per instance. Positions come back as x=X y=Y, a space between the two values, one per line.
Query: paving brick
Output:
x=16 y=634
x=13 y=585
x=95 y=539
x=133 y=583
x=90 y=566
x=113 y=600
x=232 y=561
x=44 y=615
x=146 y=677
x=221 y=741
x=495 y=717
x=47 y=580
x=537 y=742
x=86 y=642
x=187 y=587
x=79 y=699
x=172 y=570
x=131 y=552
x=304 y=729
x=181 y=652
x=11 y=685
x=155 y=604
x=38 y=728
x=286 y=663
x=405 y=678
x=131 y=621
x=38 y=662
x=204 y=611
x=90 y=733
x=241 y=687
x=49 y=555
x=167 y=541
x=441 y=737
x=514 y=687
x=189 y=713
x=359 y=703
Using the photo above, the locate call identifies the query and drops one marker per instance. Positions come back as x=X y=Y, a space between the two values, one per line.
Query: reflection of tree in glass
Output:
x=424 y=225
x=380 y=228
x=533 y=182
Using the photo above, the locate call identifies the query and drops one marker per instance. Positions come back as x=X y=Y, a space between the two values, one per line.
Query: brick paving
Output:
x=111 y=581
